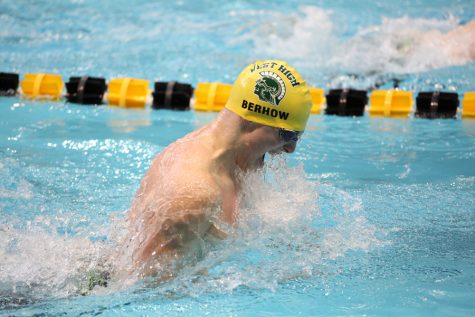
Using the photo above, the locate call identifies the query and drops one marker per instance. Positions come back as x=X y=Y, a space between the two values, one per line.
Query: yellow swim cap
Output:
x=271 y=93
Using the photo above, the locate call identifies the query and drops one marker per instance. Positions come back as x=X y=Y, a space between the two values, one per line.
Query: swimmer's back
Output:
x=461 y=42
x=176 y=198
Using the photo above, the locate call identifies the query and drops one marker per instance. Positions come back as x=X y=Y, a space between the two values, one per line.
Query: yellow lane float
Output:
x=128 y=92
x=211 y=96
x=318 y=99
x=468 y=105
x=47 y=86
x=391 y=103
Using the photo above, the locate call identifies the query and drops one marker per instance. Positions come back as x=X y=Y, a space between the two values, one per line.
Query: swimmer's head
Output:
x=271 y=93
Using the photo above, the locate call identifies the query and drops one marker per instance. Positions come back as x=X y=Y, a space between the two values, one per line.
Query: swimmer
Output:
x=192 y=187
x=461 y=42
x=456 y=46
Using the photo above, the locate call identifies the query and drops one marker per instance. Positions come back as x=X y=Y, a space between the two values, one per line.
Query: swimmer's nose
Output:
x=290 y=147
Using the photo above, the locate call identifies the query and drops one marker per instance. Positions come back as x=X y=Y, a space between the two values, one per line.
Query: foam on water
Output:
x=399 y=45
x=66 y=168
x=280 y=236
x=313 y=35
x=38 y=264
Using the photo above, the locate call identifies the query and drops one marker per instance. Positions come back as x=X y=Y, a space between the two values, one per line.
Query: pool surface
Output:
x=369 y=217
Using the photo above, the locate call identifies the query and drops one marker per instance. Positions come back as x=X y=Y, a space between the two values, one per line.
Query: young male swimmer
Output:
x=192 y=187
x=461 y=42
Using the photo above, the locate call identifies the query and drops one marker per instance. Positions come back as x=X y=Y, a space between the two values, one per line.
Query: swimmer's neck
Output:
x=237 y=142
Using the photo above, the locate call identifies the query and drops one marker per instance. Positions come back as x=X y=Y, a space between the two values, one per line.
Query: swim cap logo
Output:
x=270 y=88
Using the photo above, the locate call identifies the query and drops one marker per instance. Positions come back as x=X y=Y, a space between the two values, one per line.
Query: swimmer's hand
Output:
x=217 y=233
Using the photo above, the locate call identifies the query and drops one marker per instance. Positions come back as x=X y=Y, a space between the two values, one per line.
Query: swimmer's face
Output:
x=286 y=141
x=289 y=135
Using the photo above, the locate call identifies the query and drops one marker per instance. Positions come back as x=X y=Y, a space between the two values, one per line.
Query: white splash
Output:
x=278 y=238
x=38 y=264
x=305 y=34
x=312 y=37
x=399 y=45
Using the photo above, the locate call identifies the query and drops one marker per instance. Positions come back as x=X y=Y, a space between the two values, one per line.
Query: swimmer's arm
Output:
x=229 y=208
x=460 y=42
x=230 y=205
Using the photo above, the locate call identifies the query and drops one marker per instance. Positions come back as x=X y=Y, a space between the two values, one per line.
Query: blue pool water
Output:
x=369 y=217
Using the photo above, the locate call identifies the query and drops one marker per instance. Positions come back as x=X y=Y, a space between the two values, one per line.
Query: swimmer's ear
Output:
x=215 y=232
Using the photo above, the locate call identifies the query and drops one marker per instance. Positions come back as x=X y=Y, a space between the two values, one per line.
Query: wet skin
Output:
x=193 y=186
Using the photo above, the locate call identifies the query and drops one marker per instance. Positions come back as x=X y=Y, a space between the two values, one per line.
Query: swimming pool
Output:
x=374 y=216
